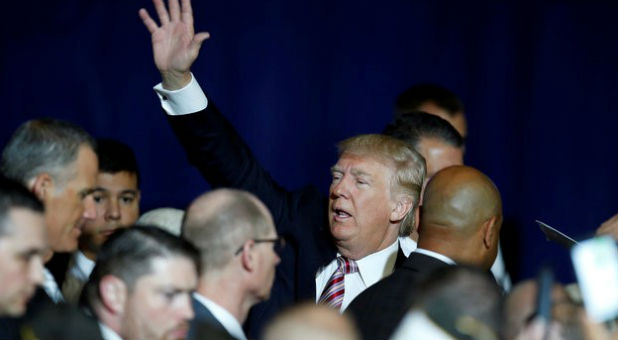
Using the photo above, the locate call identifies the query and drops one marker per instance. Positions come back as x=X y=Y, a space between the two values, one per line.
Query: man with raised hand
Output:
x=349 y=237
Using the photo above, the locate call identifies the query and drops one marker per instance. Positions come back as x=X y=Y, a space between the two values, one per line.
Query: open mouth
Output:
x=340 y=214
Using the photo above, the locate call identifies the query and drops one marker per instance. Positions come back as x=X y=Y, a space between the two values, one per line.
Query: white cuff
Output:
x=189 y=99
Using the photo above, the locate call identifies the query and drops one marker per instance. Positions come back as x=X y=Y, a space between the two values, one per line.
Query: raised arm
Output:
x=175 y=45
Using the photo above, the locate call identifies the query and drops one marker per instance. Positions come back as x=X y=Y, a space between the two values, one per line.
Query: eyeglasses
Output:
x=279 y=244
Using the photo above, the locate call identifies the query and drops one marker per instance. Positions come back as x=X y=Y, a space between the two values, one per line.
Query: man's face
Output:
x=268 y=260
x=360 y=205
x=458 y=121
x=159 y=305
x=21 y=259
x=438 y=155
x=68 y=208
x=116 y=199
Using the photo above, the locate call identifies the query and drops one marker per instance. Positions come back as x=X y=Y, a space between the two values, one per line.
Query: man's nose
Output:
x=113 y=210
x=90 y=210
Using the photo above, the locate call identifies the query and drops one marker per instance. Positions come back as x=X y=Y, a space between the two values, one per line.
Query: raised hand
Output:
x=175 y=46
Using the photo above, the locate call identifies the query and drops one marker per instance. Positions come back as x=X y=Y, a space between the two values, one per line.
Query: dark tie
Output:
x=335 y=288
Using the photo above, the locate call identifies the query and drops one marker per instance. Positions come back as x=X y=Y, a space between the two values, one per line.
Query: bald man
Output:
x=308 y=321
x=236 y=236
x=460 y=223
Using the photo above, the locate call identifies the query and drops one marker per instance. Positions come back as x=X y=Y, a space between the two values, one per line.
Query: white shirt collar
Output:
x=407 y=244
x=82 y=267
x=227 y=320
x=107 y=333
x=371 y=267
x=438 y=256
x=51 y=287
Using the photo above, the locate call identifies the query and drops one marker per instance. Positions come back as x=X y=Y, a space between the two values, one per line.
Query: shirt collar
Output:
x=83 y=265
x=51 y=287
x=374 y=267
x=107 y=333
x=438 y=256
x=227 y=320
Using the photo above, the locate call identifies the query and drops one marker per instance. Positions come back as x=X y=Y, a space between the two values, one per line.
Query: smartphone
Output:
x=596 y=267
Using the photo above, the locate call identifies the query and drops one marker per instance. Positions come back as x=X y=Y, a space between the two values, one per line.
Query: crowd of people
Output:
x=406 y=245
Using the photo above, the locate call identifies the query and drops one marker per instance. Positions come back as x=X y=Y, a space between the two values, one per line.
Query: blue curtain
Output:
x=539 y=81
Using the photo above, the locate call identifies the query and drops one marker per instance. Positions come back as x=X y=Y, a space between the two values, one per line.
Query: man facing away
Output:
x=352 y=235
x=116 y=197
x=460 y=223
x=140 y=287
x=237 y=239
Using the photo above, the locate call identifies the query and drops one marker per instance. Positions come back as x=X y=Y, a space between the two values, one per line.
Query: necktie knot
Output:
x=333 y=293
x=346 y=266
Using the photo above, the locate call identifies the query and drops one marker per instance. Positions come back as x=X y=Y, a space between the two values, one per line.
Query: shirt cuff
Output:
x=189 y=99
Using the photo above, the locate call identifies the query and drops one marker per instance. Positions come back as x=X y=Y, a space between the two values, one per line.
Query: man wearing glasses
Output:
x=238 y=242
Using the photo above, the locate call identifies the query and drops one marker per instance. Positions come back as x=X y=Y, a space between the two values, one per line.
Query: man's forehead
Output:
x=365 y=163
x=175 y=271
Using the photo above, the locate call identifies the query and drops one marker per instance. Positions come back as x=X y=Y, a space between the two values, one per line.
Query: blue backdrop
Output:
x=539 y=81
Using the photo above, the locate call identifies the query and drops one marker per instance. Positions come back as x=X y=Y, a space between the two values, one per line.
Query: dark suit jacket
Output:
x=379 y=308
x=214 y=147
x=205 y=325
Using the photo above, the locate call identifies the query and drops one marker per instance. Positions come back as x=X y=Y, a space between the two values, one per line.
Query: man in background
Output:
x=237 y=239
x=436 y=100
x=116 y=197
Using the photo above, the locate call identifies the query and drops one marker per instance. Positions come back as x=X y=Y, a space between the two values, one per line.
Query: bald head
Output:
x=311 y=321
x=221 y=220
x=463 y=208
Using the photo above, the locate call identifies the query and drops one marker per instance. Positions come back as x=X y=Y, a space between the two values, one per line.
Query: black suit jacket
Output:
x=379 y=308
x=205 y=325
x=215 y=148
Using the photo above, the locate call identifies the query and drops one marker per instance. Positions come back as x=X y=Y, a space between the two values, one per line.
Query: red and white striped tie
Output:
x=335 y=288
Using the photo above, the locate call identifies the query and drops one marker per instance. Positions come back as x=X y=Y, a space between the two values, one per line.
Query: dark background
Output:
x=539 y=81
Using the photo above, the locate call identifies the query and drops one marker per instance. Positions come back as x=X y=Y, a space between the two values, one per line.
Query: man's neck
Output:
x=357 y=252
x=228 y=294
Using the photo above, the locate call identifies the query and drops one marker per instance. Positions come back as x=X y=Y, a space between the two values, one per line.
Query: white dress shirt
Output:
x=188 y=99
x=51 y=287
x=435 y=255
x=371 y=269
x=107 y=333
x=227 y=320
x=407 y=244
x=82 y=266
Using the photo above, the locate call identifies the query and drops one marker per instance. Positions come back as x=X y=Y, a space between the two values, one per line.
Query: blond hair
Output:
x=408 y=167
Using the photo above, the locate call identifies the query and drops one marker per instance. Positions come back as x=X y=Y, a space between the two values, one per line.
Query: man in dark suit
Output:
x=22 y=247
x=141 y=285
x=237 y=239
x=460 y=223
x=56 y=161
x=373 y=196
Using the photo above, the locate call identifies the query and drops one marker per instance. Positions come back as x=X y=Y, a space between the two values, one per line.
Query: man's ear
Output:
x=248 y=257
x=114 y=294
x=401 y=208
x=42 y=186
x=490 y=232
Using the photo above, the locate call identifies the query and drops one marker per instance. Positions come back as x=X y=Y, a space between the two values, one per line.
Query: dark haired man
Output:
x=116 y=197
x=23 y=244
x=436 y=100
x=140 y=287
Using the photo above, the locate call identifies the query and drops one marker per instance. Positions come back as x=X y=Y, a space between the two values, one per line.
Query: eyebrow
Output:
x=360 y=173
x=129 y=191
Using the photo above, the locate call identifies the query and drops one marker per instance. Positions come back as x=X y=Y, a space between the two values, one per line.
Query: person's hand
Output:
x=174 y=44
x=538 y=329
x=609 y=227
